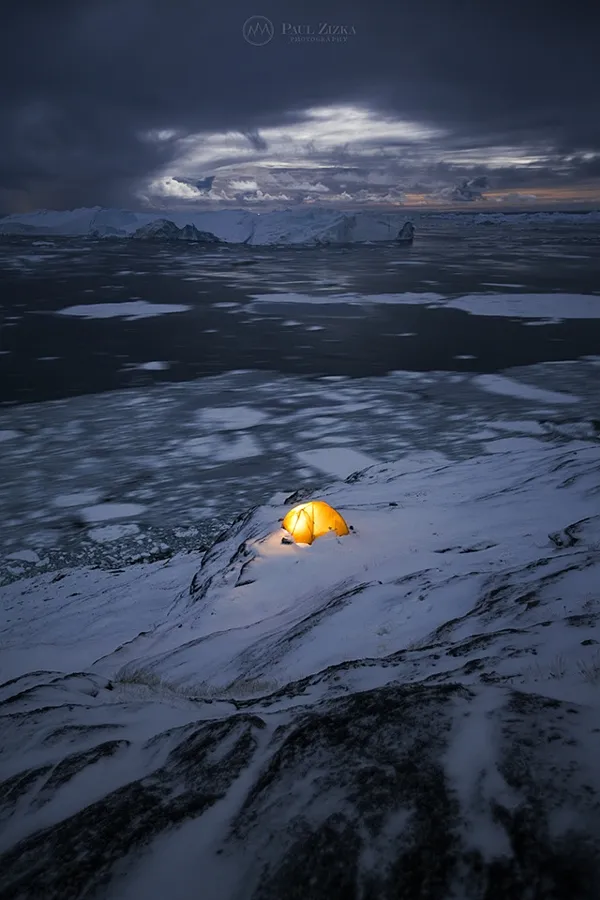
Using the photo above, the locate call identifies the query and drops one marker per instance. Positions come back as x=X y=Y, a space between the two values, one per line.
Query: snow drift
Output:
x=411 y=710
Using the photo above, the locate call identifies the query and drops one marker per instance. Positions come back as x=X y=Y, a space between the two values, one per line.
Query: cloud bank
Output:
x=122 y=102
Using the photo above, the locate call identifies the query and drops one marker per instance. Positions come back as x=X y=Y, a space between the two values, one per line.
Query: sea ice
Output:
x=337 y=461
x=128 y=310
x=500 y=384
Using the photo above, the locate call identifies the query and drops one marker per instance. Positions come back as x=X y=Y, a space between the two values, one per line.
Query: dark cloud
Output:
x=85 y=85
x=255 y=140
x=470 y=190
x=201 y=184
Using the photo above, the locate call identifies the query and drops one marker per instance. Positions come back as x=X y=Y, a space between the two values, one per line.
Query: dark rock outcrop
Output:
x=165 y=230
x=406 y=234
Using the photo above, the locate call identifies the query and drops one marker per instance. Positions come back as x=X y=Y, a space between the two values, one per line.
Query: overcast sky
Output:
x=166 y=103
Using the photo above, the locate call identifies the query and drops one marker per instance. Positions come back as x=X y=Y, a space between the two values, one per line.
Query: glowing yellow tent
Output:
x=312 y=520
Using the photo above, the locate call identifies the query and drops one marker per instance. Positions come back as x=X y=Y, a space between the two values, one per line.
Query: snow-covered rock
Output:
x=408 y=711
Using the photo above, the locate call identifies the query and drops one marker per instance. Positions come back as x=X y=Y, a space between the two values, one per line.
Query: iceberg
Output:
x=299 y=226
x=295 y=226
x=106 y=231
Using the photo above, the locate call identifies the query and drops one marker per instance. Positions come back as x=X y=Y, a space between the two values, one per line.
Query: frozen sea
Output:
x=150 y=393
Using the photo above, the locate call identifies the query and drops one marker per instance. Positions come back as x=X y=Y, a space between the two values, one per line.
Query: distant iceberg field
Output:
x=289 y=226
x=292 y=226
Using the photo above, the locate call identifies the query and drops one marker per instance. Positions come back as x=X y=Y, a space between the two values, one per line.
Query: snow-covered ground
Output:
x=413 y=705
x=418 y=699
